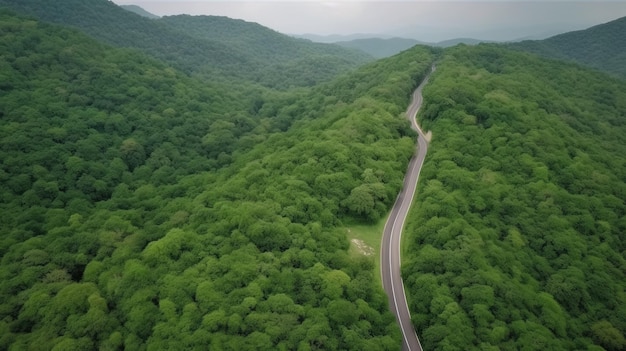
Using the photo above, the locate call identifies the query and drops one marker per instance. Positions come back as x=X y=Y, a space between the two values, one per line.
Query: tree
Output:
x=608 y=336
x=132 y=152
x=342 y=312
x=361 y=201
x=335 y=283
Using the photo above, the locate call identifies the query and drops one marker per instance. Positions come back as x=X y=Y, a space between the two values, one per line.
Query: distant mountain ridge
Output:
x=210 y=53
x=255 y=38
x=379 y=47
x=602 y=47
x=385 y=47
x=334 y=38
x=107 y=22
x=140 y=11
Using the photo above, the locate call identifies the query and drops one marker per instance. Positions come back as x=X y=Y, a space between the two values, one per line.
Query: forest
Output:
x=211 y=47
x=602 y=47
x=515 y=241
x=186 y=188
x=146 y=209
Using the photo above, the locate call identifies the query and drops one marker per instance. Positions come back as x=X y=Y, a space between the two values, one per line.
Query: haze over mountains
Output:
x=429 y=21
x=581 y=46
x=205 y=50
x=140 y=11
x=198 y=182
x=602 y=47
x=383 y=46
x=372 y=45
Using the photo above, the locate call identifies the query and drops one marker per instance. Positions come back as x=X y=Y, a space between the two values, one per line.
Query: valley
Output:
x=197 y=182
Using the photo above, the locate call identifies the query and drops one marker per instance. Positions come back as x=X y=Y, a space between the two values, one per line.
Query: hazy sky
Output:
x=432 y=20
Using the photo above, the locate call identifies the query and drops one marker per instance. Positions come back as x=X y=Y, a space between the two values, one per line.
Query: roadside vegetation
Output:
x=516 y=237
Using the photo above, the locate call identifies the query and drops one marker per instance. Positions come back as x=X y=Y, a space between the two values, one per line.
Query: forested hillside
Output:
x=287 y=61
x=380 y=48
x=602 y=47
x=143 y=209
x=218 y=49
x=516 y=240
x=138 y=10
x=163 y=187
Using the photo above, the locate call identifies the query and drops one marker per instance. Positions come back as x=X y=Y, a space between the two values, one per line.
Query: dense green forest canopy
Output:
x=143 y=209
x=218 y=49
x=516 y=240
x=602 y=47
x=283 y=61
x=162 y=188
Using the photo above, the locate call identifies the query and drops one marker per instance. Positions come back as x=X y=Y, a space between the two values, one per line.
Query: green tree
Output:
x=132 y=152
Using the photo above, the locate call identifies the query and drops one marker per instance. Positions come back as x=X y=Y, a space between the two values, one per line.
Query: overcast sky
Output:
x=431 y=21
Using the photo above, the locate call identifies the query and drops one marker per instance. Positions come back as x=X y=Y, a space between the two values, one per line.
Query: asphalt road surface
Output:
x=390 y=247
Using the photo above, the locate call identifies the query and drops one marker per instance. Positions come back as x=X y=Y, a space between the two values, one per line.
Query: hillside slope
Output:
x=211 y=56
x=138 y=10
x=380 y=48
x=516 y=239
x=296 y=61
x=602 y=47
x=145 y=209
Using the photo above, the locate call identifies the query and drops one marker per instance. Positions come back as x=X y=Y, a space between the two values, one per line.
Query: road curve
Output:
x=390 y=246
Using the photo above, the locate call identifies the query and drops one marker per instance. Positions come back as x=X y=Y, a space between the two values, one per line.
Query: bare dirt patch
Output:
x=362 y=247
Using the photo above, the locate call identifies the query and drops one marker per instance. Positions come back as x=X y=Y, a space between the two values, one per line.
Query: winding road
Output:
x=390 y=247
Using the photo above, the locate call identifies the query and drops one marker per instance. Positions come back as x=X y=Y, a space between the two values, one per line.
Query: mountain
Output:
x=113 y=25
x=602 y=47
x=284 y=58
x=140 y=11
x=247 y=36
x=211 y=55
x=147 y=207
x=457 y=41
x=334 y=38
x=143 y=208
x=516 y=238
x=380 y=48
